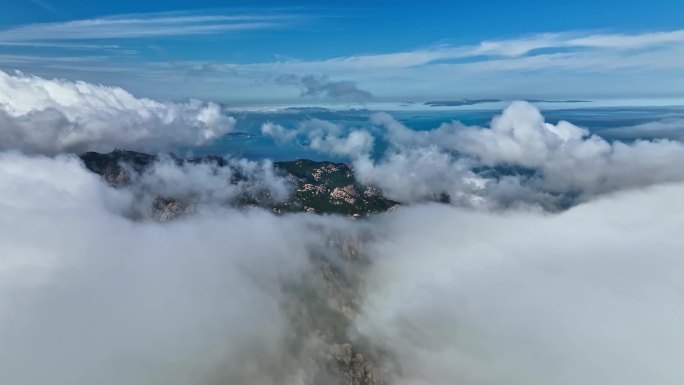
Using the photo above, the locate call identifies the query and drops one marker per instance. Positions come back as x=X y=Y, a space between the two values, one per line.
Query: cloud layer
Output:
x=519 y=158
x=51 y=116
x=88 y=296
x=589 y=296
x=668 y=128
x=577 y=64
x=201 y=185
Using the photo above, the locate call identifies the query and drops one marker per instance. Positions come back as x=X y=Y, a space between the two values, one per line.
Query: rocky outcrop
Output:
x=111 y=165
x=331 y=188
x=164 y=210
x=318 y=187
x=352 y=368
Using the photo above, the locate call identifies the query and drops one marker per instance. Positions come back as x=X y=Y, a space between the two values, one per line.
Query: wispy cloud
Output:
x=579 y=63
x=46 y=6
x=145 y=25
x=511 y=48
x=629 y=41
x=76 y=46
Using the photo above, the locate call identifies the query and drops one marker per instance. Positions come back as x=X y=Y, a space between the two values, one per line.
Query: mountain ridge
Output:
x=320 y=187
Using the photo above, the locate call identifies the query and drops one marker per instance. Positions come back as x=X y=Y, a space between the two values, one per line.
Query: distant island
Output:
x=470 y=102
x=461 y=102
x=557 y=101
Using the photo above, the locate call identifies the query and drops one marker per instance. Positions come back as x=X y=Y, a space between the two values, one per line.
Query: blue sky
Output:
x=266 y=52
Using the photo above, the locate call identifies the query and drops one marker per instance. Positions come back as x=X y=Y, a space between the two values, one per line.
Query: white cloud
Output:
x=89 y=297
x=278 y=132
x=589 y=296
x=600 y=44
x=625 y=41
x=543 y=159
x=570 y=63
x=566 y=156
x=145 y=25
x=51 y=116
x=324 y=137
x=669 y=128
x=566 y=64
x=203 y=184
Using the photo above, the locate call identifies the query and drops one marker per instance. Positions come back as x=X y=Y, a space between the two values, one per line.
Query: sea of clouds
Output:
x=491 y=289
